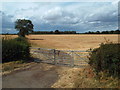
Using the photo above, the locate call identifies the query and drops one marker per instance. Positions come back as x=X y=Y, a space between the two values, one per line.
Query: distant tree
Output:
x=89 y=32
x=105 y=32
x=24 y=27
x=51 y=32
x=117 y=32
x=57 y=32
x=111 y=32
x=97 y=32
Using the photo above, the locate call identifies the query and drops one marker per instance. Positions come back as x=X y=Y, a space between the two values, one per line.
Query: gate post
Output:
x=72 y=62
x=54 y=56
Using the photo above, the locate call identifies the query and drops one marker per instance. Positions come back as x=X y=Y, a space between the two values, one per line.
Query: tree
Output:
x=57 y=32
x=24 y=27
x=97 y=32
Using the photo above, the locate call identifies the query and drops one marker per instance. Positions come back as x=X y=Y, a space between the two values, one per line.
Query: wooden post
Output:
x=72 y=62
x=54 y=56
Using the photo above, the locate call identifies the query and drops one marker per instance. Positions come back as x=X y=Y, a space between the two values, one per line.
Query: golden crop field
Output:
x=71 y=42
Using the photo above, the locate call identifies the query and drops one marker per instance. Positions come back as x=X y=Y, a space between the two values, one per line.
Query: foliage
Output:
x=54 y=32
x=106 y=58
x=57 y=32
x=104 y=32
x=15 y=49
x=88 y=79
x=24 y=27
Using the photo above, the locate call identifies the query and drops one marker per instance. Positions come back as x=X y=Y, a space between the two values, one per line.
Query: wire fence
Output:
x=74 y=58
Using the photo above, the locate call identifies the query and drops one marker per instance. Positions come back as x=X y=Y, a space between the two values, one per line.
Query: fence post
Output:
x=72 y=62
x=54 y=56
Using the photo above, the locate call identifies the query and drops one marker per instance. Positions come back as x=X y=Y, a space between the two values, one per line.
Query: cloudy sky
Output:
x=47 y=16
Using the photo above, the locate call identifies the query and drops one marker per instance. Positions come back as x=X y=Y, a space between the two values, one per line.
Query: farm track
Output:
x=40 y=76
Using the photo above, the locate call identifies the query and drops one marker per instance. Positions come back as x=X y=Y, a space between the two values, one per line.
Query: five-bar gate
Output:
x=75 y=58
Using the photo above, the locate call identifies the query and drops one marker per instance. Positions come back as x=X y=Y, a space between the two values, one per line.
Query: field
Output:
x=70 y=42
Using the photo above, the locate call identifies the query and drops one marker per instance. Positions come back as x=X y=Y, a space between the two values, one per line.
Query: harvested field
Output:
x=70 y=42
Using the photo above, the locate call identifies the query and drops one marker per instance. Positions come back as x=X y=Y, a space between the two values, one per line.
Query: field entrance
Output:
x=74 y=58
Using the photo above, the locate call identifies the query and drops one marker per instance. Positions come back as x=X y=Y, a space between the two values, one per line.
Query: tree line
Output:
x=104 y=32
x=68 y=32
x=54 y=32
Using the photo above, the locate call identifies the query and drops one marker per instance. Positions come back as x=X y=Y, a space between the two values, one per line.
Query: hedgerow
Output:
x=15 y=49
x=106 y=58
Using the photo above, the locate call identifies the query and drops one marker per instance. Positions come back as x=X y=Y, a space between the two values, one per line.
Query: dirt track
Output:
x=50 y=76
x=39 y=76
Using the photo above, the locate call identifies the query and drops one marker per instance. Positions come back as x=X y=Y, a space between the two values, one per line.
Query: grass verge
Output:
x=12 y=66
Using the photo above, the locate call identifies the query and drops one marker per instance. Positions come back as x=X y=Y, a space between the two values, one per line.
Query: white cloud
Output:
x=75 y=16
x=58 y=0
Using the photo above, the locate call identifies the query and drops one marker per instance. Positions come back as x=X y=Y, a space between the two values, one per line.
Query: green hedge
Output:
x=106 y=58
x=15 y=49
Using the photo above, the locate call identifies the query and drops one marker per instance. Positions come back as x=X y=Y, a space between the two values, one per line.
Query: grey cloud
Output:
x=7 y=23
x=111 y=16
x=61 y=18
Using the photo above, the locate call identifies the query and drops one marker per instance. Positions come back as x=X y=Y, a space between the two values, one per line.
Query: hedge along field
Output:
x=106 y=59
x=15 y=49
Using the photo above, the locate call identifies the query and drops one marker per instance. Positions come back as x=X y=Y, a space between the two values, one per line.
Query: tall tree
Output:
x=24 y=27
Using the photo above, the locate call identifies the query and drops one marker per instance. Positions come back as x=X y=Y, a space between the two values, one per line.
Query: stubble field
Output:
x=70 y=42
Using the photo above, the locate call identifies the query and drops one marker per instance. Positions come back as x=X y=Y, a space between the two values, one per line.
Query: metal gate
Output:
x=61 y=57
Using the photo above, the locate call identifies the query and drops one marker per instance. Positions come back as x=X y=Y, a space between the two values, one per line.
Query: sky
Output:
x=63 y=16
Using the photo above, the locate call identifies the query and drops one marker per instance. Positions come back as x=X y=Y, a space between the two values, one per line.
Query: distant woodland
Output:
x=74 y=32
x=70 y=32
x=54 y=32
x=104 y=32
